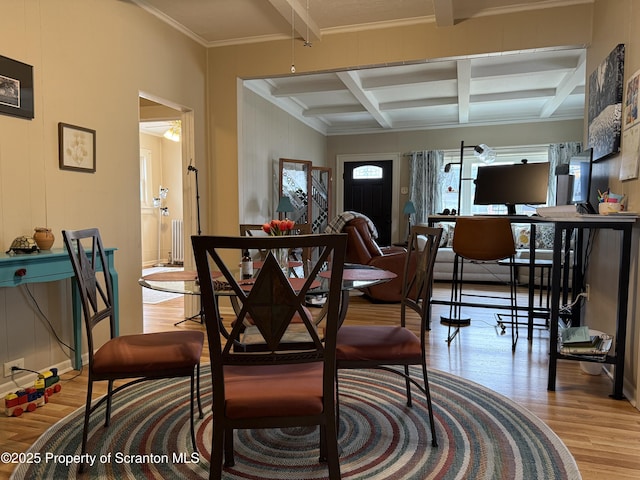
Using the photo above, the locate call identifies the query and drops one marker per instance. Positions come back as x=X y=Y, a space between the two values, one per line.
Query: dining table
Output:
x=354 y=277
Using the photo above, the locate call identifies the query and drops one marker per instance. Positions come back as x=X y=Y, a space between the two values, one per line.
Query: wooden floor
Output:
x=603 y=434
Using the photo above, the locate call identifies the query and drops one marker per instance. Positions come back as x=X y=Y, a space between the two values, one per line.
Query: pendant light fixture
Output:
x=293 y=39
x=307 y=42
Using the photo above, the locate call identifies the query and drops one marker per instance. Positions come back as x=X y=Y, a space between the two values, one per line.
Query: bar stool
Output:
x=481 y=240
x=541 y=281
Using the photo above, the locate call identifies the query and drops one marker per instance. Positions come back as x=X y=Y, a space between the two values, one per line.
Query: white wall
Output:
x=91 y=59
x=617 y=22
x=267 y=134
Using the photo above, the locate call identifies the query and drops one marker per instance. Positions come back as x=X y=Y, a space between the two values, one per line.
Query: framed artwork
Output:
x=16 y=88
x=77 y=148
x=606 y=85
x=631 y=100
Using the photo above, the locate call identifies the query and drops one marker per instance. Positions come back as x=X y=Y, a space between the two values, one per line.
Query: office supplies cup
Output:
x=605 y=208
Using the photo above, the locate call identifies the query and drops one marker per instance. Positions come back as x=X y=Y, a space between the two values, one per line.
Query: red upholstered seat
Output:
x=285 y=390
x=377 y=343
x=148 y=354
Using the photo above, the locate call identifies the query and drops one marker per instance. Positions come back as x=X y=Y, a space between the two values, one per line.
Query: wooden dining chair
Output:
x=136 y=358
x=394 y=348
x=282 y=385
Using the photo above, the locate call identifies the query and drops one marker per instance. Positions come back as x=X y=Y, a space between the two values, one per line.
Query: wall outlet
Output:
x=19 y=362
x=587 y=291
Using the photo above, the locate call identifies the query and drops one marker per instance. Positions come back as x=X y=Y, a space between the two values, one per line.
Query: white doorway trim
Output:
x=371 y=157
x=168 y=110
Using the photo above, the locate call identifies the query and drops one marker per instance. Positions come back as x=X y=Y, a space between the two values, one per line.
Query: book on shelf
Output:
x=598 y=347
x=575 y=335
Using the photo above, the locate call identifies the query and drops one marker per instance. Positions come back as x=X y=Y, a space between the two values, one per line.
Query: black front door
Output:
x=368 y=190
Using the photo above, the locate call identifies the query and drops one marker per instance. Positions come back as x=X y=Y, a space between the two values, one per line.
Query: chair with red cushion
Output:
x=282 y=384
x=389 y=347
x=129 y=357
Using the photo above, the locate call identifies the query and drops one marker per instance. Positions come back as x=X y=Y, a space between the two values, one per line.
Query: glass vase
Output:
x=282 y=256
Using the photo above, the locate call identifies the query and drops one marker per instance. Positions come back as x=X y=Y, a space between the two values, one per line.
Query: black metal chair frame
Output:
x=417 y=291
x=272 y=304
x=96 y=294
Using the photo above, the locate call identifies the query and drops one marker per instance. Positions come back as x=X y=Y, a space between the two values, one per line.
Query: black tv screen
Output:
x=512 y=184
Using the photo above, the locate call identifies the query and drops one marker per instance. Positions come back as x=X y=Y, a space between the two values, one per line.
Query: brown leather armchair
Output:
x=362 y=249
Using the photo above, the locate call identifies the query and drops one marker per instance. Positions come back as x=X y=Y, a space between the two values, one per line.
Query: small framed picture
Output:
x=77 y=148
x=16 y=88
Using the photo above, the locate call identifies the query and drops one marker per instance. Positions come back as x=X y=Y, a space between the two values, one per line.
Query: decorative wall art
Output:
x=606 y=85
x=631 y=100
x=77 y=148
x=16 y=88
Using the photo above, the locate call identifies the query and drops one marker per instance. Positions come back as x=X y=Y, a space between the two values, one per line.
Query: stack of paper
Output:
x=577 y=341
x=557 y=211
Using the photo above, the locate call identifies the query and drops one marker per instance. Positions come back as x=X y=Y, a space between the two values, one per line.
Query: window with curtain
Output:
x=432 y=190
x=560 y=154
x=424 y=188
x=449 y=181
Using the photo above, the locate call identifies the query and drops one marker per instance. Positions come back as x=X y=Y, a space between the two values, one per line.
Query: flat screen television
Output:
x=512 y=184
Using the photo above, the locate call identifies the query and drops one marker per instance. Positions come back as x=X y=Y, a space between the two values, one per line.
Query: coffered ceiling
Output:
x=508 y=87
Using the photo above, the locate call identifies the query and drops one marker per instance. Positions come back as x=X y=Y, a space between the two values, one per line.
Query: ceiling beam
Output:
x=513 y=96
x=464 y=89
x=294 y=11
x=421 y=103
x=443 y=10
x=367 y=99
x=568 y=84
x=334 y=110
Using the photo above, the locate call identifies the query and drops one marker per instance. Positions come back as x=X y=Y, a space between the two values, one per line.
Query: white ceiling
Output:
x=509 y=87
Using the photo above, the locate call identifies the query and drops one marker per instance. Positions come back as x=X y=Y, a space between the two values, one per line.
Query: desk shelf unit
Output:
x=566 y=271
x=579 y=225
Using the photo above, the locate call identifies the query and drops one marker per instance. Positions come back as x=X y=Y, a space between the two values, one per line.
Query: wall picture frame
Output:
x=76 y=148
x=16 y=88
x=606 y=84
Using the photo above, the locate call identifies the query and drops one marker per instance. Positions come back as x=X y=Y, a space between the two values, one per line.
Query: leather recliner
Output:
x=362 y=249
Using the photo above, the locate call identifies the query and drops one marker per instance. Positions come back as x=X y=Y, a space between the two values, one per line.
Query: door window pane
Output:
x=366 y=172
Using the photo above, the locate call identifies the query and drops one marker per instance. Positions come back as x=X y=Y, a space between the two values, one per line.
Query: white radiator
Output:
x=177 y=242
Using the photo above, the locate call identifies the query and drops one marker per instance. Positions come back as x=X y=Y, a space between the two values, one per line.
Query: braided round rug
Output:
x=481 y=435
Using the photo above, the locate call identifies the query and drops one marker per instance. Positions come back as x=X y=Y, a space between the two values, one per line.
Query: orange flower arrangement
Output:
x=278 y=227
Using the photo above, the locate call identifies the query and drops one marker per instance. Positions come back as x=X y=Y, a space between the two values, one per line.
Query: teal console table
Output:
x=51 y=266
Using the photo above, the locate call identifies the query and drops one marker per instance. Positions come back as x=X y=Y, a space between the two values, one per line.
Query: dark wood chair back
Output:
x=87 y=256
x=274 y=303
x=417 y=284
